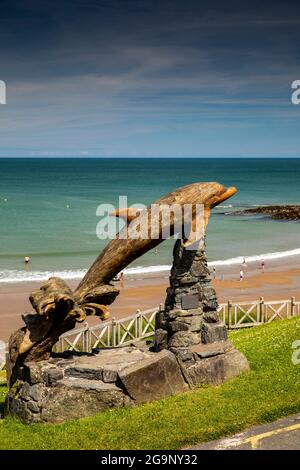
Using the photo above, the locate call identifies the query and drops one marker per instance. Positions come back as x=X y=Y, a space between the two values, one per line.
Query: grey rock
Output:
x=184 y=339
x=214 y=332
x=183 y=354
x=193 y=322
x=19 y=408
x=109 y=375
x=209 y=305
x=159 y=319
x=24 y=392
x=182 y=314
x=36 y=392
x=196 y=323
x=34 y=372
x=217 y=369
x=178 y=326
x=209 y=350
x=160 y=339
x=211 y=316
x=84 y=372
x=74 y=398
x=33 y=406
x=53 y=375
x=154 y=378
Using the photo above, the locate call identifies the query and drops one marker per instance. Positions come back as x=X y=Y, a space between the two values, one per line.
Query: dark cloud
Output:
x=149 y=77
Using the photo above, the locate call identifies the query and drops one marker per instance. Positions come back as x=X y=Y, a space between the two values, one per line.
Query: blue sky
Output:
x=149 y=78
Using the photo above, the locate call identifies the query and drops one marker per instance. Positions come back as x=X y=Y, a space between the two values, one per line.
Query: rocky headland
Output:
x=287 y=212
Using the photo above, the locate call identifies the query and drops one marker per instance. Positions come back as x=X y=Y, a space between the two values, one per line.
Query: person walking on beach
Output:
x=122 y=280
x=241 y=275
x=262 y=265
x=214 y=273
x=26 y=262
x=244 y=262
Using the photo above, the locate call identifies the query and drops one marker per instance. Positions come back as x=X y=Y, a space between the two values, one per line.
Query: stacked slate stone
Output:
x=190 y=316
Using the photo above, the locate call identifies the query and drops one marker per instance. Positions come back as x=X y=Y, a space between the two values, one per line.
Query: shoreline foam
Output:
x=15 y=276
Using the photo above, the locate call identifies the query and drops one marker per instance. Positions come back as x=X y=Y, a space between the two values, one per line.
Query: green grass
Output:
x=269 y=391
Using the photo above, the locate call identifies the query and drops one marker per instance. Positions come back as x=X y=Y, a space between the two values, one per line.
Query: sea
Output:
x=49 y=207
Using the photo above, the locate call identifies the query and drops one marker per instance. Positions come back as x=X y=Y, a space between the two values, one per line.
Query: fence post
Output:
x=293 y=300
x=261 y=310
x=113 y=332
x=85 y=341
x=229 y=305
x=139 y=327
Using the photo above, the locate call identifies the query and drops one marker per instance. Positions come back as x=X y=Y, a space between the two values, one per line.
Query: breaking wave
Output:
x=14 y=276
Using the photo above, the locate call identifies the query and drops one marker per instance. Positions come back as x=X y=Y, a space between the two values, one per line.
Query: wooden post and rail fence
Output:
x=141 y=325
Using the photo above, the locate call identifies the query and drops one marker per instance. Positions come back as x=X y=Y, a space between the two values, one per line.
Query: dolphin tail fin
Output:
x=196 y=237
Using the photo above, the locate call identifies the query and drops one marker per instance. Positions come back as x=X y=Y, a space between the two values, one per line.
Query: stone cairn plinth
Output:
x=189 y=326
x=70 y=386
x=190 y=348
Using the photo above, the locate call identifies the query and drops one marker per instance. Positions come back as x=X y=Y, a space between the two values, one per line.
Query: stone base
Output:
x=215 y=363
x=74 y=386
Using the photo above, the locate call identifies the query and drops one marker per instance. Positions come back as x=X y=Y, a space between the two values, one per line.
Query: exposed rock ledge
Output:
x=275 y=212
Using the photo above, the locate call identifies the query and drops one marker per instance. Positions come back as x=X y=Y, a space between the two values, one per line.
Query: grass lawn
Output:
x=271 y=390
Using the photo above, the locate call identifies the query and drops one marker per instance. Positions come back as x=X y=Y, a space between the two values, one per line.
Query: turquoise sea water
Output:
x=48 y=209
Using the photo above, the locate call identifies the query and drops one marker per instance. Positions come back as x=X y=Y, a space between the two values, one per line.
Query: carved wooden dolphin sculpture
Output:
x=125 y=248
x=58 y=308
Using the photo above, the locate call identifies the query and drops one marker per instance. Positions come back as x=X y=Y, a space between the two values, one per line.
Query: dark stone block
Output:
x=154 y=378
x=75 y=397
x=84 y=372
x=202 y=351
x=211 y=316
x=33 y=406
x=36 y=392
x=33 y=373
x=109 y=375
x=183 y=339
x=190 y=301
x=178 y=314
x=175 y=326
x=183 y=354
x=160 y=340
x=159 y=319
x=19 y=408
x=214 y=332
x=24 y=392
x=53 y=375
x=209 y=305
x=217 y=369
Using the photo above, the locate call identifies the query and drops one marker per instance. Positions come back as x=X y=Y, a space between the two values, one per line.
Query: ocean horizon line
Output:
x=190 y=157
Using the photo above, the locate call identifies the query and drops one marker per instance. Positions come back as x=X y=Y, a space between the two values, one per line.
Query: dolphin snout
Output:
x=228 y=193
x=222 y=196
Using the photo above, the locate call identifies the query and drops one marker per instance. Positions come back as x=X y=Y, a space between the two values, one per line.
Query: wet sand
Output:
x=281 y=280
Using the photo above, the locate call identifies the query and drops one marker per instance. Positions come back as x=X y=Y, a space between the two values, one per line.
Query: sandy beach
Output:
x=281 y=280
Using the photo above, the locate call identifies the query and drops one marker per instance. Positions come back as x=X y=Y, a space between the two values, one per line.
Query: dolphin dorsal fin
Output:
x=128 y=214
